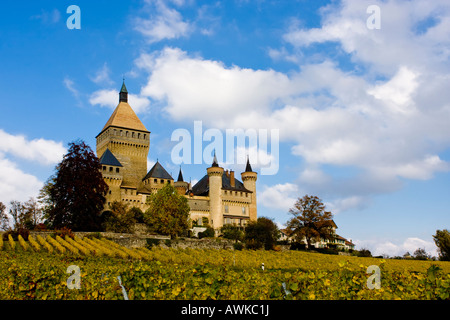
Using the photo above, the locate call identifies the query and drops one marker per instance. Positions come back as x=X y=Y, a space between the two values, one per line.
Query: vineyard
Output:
x=38 y=269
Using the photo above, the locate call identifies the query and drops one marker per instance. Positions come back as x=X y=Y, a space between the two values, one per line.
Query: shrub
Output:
x=63 y=232
x=238 y=246
x=152 y=242
x=208 y=233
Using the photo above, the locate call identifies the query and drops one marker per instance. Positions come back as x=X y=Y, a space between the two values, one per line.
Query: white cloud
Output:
x=45 y=152
x=387 y=118
x=163 y=23
x=102 y=76
x=70 y=85
x=279 y=196
x=48 y=17
x=16 y=184
x=396 y=248
x=110 y=98
x=198 y=89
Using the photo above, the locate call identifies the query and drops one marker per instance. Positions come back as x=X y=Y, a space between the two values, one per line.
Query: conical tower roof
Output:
x=124 y=117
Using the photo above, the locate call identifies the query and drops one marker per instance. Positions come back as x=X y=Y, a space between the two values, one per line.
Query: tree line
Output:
x=74 y=198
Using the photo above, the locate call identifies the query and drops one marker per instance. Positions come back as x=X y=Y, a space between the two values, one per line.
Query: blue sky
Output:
x=363 y=114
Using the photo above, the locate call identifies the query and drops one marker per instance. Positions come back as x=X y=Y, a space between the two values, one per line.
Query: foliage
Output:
x=137 y=214
x=76 y=195
x=364 y=253
x=119 y=218
x=310 y=220
x=63 y=232
x=421 y=254
x=442 y=240
x=195 y=274
x=232 y=232
x=261 y=233
x=168 y=212
x=208 y=233
x=4 y=221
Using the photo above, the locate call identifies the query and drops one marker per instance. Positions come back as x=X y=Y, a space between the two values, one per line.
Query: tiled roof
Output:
x=201 y=188
x=158 y=172
x=109 y=159
x=124 y=117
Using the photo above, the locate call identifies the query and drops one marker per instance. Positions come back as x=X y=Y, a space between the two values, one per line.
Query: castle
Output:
x=123 y=146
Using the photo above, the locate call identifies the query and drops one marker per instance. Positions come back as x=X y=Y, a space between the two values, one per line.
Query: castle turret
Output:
x=215 y=174
x=180 y=185
x=249 y=178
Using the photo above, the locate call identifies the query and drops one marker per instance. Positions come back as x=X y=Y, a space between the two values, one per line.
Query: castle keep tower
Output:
x=128 y=140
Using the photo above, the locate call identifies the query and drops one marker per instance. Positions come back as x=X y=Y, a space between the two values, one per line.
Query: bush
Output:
x=208 y=233
x=238 y=246
x=364 y=253
x=63 y=232
x=119 y=219
x=297 y=246
x=152 y=242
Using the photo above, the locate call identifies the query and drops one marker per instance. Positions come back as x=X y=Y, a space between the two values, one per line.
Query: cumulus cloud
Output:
x=43 y=151
x=397 y=248
x=279 y=196
x=163 y=22
x=387 y=118
x=15 y=184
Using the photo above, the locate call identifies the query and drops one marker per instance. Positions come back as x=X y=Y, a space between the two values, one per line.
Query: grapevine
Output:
x=44 y=243
x=55 y=244
x=22 y=242
x=11 y=242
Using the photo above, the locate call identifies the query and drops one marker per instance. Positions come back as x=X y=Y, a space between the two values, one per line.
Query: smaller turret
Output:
x=181 y=186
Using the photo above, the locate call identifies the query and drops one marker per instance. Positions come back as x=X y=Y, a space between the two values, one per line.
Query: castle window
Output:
x=121 y=133
x=110 y=169
x=104 y=168
x=145 y=136
x=162 y=180
x=132 y=134
x=139 y=135
x=155 y=180
x=117 y=170
x=126 y=134
x=243 y=210
x=226 y=208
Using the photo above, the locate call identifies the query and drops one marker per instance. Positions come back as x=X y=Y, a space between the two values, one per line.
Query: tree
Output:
x=33 y=213
x=16 y=211
x=259 y=233
x=119 y=219
x=421 y=254
x=310 y=220
x=232 y=232
x=168 y=212
x=76 y=194
x=442 y=241
x=4 y=221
